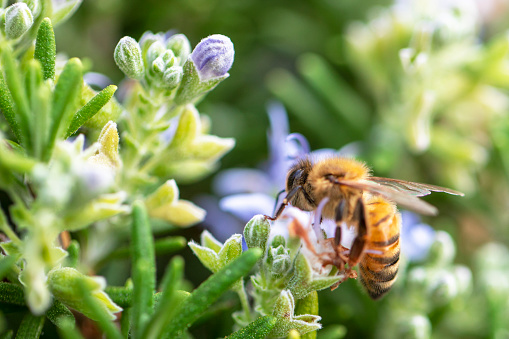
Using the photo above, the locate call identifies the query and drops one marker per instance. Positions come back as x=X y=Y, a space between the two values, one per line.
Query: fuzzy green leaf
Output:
x=65 y=99
x=258 y=329
x=39 y=95
x=73 y=254
x=59 y=314
x=7 y=335
x=210 y=290
x=166 y=306
x=103 y=317
x=11 y=294
x=90 y=109
x=14 y=84
x=45 y=48
x=8 y=109
x=143 y=273
x=68 y=331
x=30 y=327
x=123 y=296
x=191 y=87
x=6 y=265
x=308 y=305
x=305 y=281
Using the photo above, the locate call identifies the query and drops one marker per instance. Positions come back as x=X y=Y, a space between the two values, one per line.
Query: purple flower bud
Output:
x=213 y=56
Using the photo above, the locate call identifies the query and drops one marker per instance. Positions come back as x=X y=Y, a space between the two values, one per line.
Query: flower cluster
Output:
x=79 y=168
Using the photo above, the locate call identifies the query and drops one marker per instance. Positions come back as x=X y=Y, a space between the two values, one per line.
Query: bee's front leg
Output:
x=286 y=201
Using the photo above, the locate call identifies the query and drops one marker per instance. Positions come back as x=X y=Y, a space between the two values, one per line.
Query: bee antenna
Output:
x=302 y=141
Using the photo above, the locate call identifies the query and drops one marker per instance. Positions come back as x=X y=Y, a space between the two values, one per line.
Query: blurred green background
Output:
x=422 y=87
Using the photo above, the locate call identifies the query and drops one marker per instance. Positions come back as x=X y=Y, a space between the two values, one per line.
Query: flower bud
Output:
x=444 y=289
x=155 y=49
x=278 y=240
x=257 y=232
x=281 y=265
x=442 y=251
x=414 y=326
x=179 y=44
x=65 y=282
x=213 y=56
x=34 y=6
x=207 y=66
x=18 y=20
x=284 y=311
x=172 y=77
x=128 y=58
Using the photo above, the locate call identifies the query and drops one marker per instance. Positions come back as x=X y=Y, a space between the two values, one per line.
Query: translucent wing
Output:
x=401 y=198
x=412 y=188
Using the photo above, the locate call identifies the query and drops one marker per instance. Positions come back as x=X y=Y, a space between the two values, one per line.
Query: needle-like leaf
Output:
x=209 y=291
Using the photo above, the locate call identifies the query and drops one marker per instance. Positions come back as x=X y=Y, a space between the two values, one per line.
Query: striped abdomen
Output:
x=379 y=264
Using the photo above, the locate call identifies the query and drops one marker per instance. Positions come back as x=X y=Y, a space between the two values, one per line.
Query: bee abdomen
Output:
x=378 y=267
x=378 y=278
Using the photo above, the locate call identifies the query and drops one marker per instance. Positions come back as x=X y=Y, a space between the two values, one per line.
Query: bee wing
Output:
x=413 y=188
x=401 y=198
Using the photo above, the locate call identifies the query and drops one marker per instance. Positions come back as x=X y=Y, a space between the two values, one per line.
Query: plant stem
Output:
x=244 y=301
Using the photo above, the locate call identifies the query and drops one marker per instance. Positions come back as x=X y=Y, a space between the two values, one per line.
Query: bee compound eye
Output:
x=294 y=175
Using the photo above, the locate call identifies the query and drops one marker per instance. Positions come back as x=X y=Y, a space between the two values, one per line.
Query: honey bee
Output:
x=364 y=202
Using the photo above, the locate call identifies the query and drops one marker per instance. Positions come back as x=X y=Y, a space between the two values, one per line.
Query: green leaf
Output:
x=284 y=310
x=68 y=330
x=125 y=322
x=209 y=291
x=59 y=314
x=166 y=307
x=143 y=273
x=191 y=87
x=103 y=317
x=258 y=329
x=65 y=98
x=45 y=49
x=7 y=335
x=90 y=109
x=11 y=294
x=30 y=327
x=6 y=265
x=39 y=95
x=19 y=98
x=308 y=305
x=188 y=127
x=123 y=296
x=73 y=254
x=8 y=109
x=62 y=10
x=304 y=281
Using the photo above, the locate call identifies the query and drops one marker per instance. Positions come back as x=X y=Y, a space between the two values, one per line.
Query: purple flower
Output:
x=416 y=237
x=213 y=56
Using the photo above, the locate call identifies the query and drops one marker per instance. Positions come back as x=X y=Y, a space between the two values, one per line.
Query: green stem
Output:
x=244 y=301
x=4 y=226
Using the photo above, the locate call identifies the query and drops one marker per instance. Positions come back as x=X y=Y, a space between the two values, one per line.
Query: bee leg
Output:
x=286 y=200
x=340 y=212
x=360 y=240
